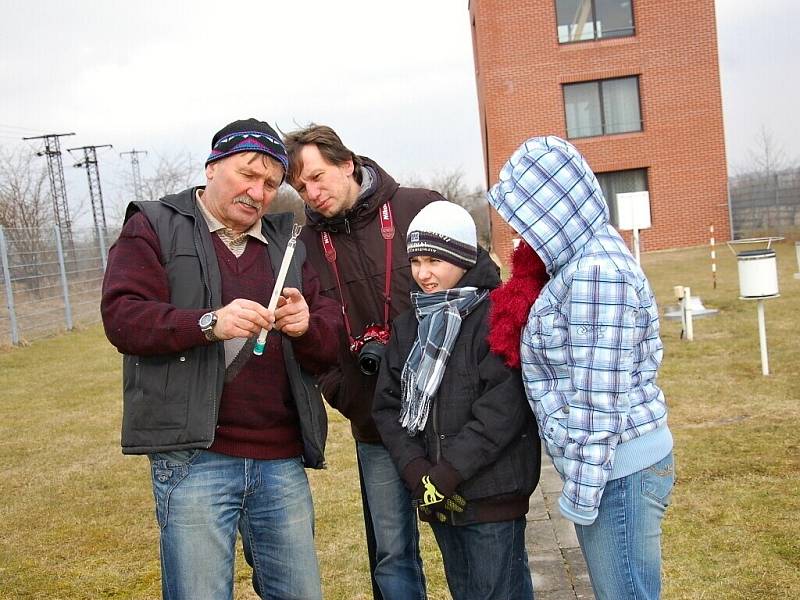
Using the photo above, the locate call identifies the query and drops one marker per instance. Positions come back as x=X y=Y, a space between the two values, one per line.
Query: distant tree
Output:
x=24 y=191
x=26 y=212
x=450 y=184
x=172 y=174
x=766 y=157
x=765 y=192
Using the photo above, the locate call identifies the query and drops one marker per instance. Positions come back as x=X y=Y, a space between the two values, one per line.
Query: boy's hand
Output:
x=430 y=496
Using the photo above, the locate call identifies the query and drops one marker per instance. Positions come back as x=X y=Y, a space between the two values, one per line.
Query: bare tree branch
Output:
x=24 y=194
x=450 y=184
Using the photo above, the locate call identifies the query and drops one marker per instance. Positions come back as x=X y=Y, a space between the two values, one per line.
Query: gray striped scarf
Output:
x=439 y=315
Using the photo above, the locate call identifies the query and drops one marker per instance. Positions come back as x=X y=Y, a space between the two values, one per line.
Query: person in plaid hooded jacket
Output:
x=590 y=353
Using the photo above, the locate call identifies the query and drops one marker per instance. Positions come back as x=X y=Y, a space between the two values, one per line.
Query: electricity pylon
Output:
x=55 y=169
x=137 y=175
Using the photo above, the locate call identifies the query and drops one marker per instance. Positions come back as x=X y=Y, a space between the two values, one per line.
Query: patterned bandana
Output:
x=439 y=315
x=248 y=135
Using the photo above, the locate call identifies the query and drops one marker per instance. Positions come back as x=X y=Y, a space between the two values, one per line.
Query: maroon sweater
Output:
x=257 y=417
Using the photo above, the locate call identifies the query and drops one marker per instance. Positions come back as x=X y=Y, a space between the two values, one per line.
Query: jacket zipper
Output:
x=204 y=268
x=438 y=455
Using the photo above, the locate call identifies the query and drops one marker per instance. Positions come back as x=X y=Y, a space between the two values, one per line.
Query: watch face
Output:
x=207 y=320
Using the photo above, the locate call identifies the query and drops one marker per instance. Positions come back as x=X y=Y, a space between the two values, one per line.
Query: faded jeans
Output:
x=398 y=568
x=204 y=498
x=622 y=547
x=485 y=561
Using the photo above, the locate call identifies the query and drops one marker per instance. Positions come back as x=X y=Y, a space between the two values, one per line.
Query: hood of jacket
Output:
x=382 y=187
x=550 y=196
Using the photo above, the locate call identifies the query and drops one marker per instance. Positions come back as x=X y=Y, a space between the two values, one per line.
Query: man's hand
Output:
x=242 y=318
x=292 y=314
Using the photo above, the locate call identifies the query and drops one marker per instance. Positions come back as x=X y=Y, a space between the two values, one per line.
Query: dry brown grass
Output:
x=732 y=531
x=76 y=521
x=76 y=518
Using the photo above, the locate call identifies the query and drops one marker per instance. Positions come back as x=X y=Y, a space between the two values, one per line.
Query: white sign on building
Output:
x=633 y=212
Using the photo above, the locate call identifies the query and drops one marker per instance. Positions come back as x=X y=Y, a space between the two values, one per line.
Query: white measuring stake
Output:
x=713 y=257
x=687 y=311
x=261 y=343
x=762 y=338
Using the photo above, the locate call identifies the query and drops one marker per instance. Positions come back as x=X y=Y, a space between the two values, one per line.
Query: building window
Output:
x=620 y=182
x=581 y=20
x=602 y=107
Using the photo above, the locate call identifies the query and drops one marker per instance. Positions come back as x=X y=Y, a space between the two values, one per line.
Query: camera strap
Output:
x=386 y=222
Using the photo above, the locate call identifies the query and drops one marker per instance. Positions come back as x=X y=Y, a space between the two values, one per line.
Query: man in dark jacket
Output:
x=357 y=217
x=227 y=432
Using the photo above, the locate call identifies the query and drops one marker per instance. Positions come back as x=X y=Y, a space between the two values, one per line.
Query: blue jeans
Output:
x=203 y=498
x=485 y=561
x=622 y=547
x=398 y=566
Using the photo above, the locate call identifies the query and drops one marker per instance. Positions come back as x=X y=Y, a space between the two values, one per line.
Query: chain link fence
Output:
x=766 y=204
x=49 y=282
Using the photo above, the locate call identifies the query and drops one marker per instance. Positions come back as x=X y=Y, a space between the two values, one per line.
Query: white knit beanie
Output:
x=446 y=231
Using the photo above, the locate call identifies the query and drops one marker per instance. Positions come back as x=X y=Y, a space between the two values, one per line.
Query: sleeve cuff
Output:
x=187 y=327
x=413 y=472
x=445 y=477
x=580 y=517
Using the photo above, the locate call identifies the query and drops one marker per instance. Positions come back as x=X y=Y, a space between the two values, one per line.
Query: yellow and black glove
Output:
x=432 y=501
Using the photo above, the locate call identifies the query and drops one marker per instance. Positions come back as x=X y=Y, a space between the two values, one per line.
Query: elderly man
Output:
x=228 y=433
x=357 y=218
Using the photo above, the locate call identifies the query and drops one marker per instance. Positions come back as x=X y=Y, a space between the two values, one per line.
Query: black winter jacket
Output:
x=480 y=438
x=361 y=260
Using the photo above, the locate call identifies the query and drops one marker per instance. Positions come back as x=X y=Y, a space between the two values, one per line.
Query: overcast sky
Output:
x=395 y=79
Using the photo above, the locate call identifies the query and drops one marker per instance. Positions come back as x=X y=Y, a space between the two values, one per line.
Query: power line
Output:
x=17 y=127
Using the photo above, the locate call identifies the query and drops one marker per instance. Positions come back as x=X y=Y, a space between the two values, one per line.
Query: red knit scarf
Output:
x=512 y=301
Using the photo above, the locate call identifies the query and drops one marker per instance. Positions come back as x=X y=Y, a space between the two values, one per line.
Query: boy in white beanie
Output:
x=454 y=417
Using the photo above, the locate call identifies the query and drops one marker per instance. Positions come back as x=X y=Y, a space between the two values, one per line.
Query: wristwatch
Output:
x=206 y=323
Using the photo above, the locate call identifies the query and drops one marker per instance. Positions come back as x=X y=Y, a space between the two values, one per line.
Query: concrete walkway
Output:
x=559 y=571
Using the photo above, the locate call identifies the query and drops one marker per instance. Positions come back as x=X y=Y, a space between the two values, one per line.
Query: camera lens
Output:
x=369 y=359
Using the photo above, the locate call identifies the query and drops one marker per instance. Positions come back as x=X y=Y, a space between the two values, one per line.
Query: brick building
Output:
x=634 y=84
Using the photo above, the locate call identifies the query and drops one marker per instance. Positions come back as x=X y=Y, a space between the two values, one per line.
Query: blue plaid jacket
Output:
x=591 y=348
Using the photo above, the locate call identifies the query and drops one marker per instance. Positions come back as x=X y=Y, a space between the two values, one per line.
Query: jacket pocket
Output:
x=160 y=396
x=658 y=480
x=514 y=473
x=168 y=470
x=538 y=332
x=184 y=266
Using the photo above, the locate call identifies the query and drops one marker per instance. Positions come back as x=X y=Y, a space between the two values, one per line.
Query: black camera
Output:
x=370 y=347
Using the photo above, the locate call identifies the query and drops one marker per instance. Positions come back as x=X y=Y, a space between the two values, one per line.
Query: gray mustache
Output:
x=245 y=200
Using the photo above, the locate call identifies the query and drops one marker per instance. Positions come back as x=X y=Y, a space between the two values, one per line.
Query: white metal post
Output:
x=12 y=315
x=797 y=252
x=64 y=284
x=636 y=245
x=713 y=258
x=101 y=239
x=687 y=311
x=762 y=338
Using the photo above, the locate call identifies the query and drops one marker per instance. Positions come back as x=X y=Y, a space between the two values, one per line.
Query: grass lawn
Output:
x=76 y=517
